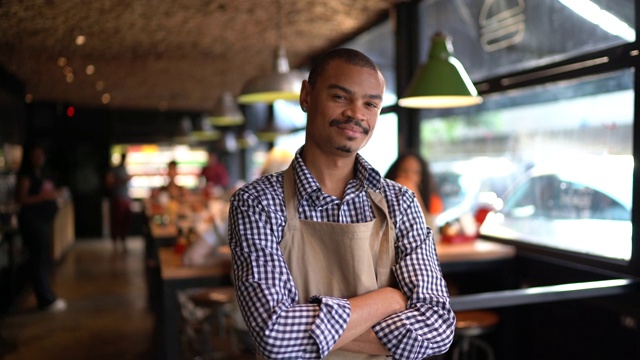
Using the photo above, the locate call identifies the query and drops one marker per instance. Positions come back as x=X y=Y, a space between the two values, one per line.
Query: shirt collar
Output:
x=365 y=175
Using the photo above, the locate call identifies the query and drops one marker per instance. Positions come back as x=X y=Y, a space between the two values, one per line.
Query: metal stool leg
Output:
x=466 y=346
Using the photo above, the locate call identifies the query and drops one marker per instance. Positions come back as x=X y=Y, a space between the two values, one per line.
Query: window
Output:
x=554 y=161
x=552 y=156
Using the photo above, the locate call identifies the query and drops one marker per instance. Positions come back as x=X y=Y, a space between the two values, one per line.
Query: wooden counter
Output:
x=474 y=255
x=478 y=250
x=171 y=267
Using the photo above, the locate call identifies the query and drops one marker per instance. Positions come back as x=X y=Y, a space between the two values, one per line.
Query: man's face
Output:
x=343 y=108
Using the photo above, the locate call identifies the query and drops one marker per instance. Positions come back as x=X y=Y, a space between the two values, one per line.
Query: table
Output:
x=473 y=251
x=163 y=234
x=175 y=277
x=477 y=266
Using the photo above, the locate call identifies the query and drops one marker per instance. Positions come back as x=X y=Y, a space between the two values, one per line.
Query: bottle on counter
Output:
x=181 y=243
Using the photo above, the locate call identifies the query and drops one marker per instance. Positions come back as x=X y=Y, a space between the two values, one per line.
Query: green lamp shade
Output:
x=283 y=84
x=441 y=82
x=226 y=112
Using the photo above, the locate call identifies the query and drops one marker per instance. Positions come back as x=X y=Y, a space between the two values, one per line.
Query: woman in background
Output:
x=412 y=171
x=36 y=197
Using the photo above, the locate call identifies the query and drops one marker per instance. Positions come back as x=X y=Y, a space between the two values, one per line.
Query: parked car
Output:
x=581 y=204
x=465 y=185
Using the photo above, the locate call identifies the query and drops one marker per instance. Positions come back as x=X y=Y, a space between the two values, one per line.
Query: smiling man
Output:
x=330 y=259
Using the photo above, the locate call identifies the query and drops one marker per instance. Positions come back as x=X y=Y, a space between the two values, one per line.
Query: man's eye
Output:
x=372 y=105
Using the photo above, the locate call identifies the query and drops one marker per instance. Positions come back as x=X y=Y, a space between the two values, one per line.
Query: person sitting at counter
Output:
x=330 y=259
x=173 y=189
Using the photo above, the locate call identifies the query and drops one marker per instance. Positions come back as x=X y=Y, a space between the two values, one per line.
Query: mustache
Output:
x=350 y=121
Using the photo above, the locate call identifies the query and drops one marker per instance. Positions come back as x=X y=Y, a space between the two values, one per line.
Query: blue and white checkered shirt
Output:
x=284 y=329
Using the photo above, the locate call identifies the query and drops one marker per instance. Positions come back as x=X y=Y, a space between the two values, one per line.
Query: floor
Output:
x=107 y=316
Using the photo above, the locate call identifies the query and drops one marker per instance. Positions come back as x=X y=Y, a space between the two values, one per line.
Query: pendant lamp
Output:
x=247 y=139
x=184 y=127
x=204 y=131
x=226 y=111
x=281 y=84
x=441 y=82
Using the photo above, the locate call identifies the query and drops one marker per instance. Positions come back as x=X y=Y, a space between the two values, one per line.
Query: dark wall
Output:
x=77 y=156
x=593 y=328
x=11 y=109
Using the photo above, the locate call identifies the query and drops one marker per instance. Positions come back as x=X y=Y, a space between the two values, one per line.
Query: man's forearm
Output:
x=366 y=311
x=366 y=343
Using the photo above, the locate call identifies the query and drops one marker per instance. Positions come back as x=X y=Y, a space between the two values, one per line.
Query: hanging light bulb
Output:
x=183 y=130
x=282 y=84
x=247 y=139
x=441 y=82
x=226 y=112
x=204 y=131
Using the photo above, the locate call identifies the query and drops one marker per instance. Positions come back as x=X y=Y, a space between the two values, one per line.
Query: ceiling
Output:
x=167 y=55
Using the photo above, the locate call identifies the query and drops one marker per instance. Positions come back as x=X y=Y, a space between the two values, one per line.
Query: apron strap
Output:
x=290 y=199
x=386 y=250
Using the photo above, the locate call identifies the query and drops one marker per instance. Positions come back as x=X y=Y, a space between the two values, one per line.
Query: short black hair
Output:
x=349 y=56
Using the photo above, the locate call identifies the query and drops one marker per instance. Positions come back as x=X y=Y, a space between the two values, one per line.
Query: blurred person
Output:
x=172 y=188
x=412 y=171
x=215 y=172
x=117 y=183
x=37 y=197
x=340 y=258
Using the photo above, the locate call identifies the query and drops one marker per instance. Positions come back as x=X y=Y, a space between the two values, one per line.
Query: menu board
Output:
x=147 y=164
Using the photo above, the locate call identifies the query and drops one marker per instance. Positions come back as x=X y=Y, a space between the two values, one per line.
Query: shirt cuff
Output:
x=399 y=338
x=331 y=322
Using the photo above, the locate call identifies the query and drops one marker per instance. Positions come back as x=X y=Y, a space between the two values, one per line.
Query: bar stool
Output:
x=469 y=325
x=203 y=311
x=218 y=300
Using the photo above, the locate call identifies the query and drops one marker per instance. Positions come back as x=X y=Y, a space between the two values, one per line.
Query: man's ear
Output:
x=305 y=91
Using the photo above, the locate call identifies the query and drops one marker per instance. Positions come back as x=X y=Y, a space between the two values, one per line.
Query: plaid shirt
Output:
x=284 y=329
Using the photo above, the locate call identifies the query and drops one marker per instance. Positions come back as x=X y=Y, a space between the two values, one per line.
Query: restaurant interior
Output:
x=524 y=109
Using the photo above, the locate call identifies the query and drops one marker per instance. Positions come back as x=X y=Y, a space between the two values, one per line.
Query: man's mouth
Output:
x=350 y=125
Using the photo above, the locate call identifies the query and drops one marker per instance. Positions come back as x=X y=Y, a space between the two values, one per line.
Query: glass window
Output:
x=497 y=37
x=554 y=161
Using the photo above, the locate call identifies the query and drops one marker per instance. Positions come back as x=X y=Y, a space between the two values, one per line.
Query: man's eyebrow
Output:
x=350 y=92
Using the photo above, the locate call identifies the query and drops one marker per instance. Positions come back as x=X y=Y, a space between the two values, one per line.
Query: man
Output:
x=321 y=249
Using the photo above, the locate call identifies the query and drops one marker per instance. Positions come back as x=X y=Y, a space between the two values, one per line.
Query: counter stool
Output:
x=203 y=310
x=218 y=300
x=469 y=325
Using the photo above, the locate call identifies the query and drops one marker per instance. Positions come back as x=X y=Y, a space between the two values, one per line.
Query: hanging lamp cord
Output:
x=279 y=23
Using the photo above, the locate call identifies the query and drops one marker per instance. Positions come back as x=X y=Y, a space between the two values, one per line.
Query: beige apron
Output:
x=339 y=260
